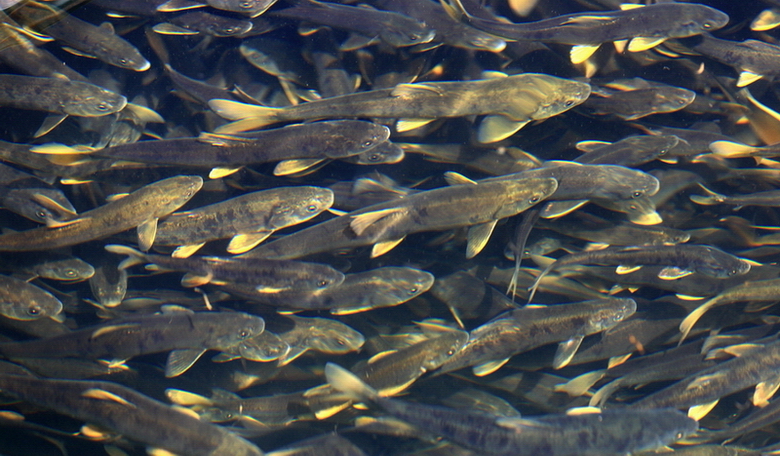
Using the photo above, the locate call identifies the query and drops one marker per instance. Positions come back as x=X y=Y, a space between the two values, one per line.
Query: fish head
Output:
x=218 y=415
x=719 y=264
x=611 y=313
x=385 y=153
x=236 y=328
x=264 y=347
x=95 y=104
x=68 y=269
x=42 y=205
x=291 y=212
x=695 y=19
x=443 y=348
x=345 y=138
x=558 y=96
x=413 y=32
x=252 y=8
x=334 y=337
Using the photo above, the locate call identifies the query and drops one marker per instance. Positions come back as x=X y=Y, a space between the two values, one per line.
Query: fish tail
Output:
x=348 y=383
x=234 y=110
x=134 y=256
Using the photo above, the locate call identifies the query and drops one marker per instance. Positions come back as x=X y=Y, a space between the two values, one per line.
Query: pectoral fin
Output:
x=186 y=251
x=147 y=231
x=478 y=236
x=497 y=127
x=582 y=52
x=361 y=222
x=403 y=125
x=380 y=248
x=566 y=351
x=642 y=43
x=245 y=242
x=488 y=367
x=179 y=361
x=673 y=273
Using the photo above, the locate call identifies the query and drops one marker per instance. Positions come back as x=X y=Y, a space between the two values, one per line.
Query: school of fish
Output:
x=389 y=227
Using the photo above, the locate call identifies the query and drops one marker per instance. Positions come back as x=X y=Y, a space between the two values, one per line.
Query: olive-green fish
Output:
x=509 y=102
x=20 y=300
x=140 y=208
x=58 y=95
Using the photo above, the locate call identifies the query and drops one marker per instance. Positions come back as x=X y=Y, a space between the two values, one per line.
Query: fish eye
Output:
x=374 y=157
x=103 y=106
x=450 y=352
x=706 y=25
x=244 y=333
x=34 y=310
x=322 y=283
x=368 y=143
x=246 y=4
x=414 y=37
x=413 y=290
x=534 y=199
x=568 y=103
x=70 y=273
x=123 y=61
x=40 y=214
x=636 y=194
x=311 y=208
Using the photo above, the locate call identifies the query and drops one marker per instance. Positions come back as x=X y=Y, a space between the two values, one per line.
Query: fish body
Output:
x=361 y=291
x=140 y=207
x=645 y=26
x=516 y=100
x=89 y=40
x=266 y=276
x=680 y=260
x=437 y=209
x=129 y=413
x=523 y=329
x=58 y=95
x=248 y=218
x=393 y=28
x=755 y=59
x=186 y=334
x=32 y=197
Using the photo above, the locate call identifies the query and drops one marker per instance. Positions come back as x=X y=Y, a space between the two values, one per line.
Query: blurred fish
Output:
x=251 y=8
x=186 y=334
x=132 y=414
x=318 y=334
x=612 y=432
x=58 y=95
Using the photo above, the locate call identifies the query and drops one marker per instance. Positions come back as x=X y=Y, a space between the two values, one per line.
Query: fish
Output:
x=492 y=344
x=58 y=95
x=319 y=334
x=247 y=219
x=251 y=8
x=630 y=151
x=376 y=288
x=393 y=28
x=751 y=290
x=129 y=413
x=65 y=268
x=769 y=198
x=83 y=38
x=611 y=432
x=183 y=333
x=510 y=103
x=33 y=198
x=680 y=260
x=636 y=102
x=228 y=153
x=265 y=276
x=384 y=225
x=20 y=300
x=642 y=27
x=133 y=210
x=753 y=58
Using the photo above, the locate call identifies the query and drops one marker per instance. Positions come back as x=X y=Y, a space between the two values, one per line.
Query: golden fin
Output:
x=233 y=110
x=55 y=224
x=673 y=273
x=590 y=146
x=580 y=385
x=49 y=203
x=380 y=248
x=287 y=167
x=630 y=6
x=191 y=280
x=107 y=329
x=61 y=149
x=412 y=90
x=642 y=43
x=454 y=178
x=697 y=412
x=766 y=20
x=627 y=269
x=222 y=171
x=618 y=360
x=147 y=231
x=765 y=390
x=179 y=361
x=361 y=222
x=403 y=125
x=566 y=351
x=497 y=127
x=748 y=77
x=488 y=367
x=103 y=395
x=144 y=114
x=582 y=52
x=589 y=410
x=245 y=242
x=181 y=397
x=478 y=237
x=186 y=251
